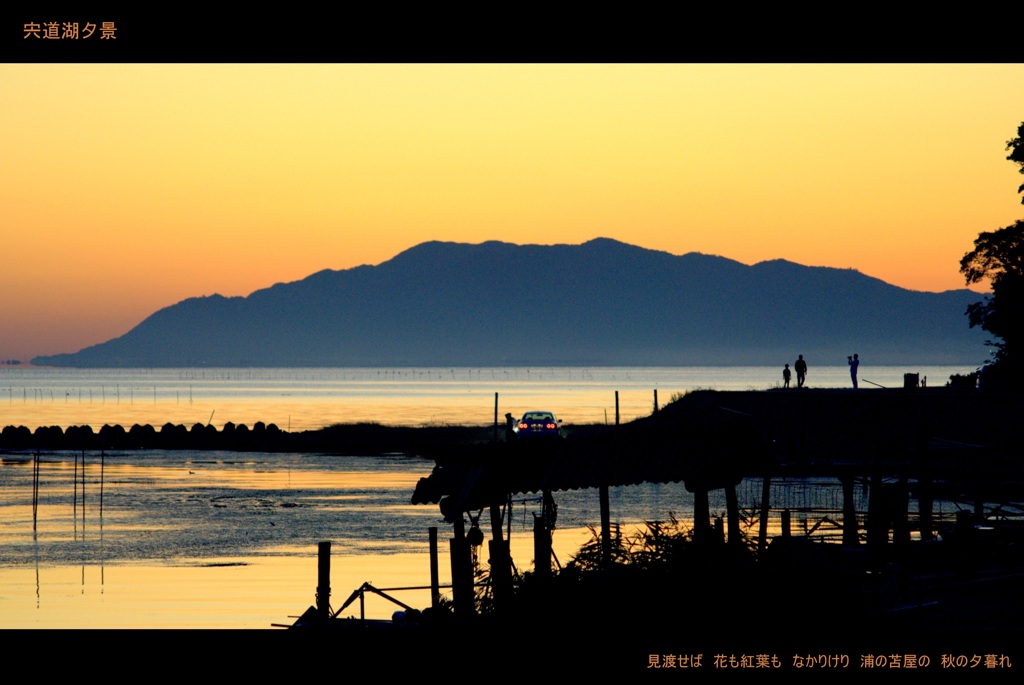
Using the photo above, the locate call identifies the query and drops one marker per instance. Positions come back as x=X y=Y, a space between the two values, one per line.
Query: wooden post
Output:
x=606 y=517
x=462 y=570
x=103 y=461
x=435 y=582
x=606 y=527
x=925 y=497
x=878 y=522
x=501 y=564
x=732 y=510
x=785 y=523
x=850 y=537
x=899 y=505
x=701 y=515
x=74 y=497
x=924 y=505
x=541 y=549
x=495 y=418
x=655 y=400
x=323 y=583
x=35 y=492
x=83 y=494
x=762 y=533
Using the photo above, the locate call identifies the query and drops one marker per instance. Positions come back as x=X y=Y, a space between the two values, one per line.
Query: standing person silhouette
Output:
x=854 y=362
x=785 y=376
x=801 y=371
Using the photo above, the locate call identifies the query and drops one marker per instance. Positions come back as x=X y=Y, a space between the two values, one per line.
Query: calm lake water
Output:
x=222 y=539
x=180 y=539
x=228 y=540
x=304 y=399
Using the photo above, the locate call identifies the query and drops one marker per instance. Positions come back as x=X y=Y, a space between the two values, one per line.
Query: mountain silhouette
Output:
x=600 y=303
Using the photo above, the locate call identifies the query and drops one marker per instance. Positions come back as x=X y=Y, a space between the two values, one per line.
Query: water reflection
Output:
x=200 y=539
x=219 y=539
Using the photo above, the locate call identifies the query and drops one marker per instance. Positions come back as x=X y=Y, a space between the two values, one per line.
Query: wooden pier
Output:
x=912 y=579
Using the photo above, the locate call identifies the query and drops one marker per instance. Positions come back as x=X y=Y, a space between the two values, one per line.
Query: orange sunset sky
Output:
x=127 y=188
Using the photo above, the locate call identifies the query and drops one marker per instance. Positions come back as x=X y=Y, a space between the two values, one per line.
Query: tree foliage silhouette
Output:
x=1016 y=147
x=998 y=257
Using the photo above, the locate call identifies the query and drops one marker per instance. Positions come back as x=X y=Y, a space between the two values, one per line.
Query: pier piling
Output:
x=501 y=571
x=762 y=532
x=701 y=515
x=541 y=549
x=606 y=527
x=435 y=582
x=462 y=570
x=850 y=537
x=732 y=508
x=323 y=585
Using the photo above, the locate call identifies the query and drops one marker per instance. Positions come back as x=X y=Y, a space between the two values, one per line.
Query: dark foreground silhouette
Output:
x=896 y=584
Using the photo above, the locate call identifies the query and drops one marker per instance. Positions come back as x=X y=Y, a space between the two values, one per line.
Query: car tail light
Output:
x=550 y=426
x=524 y=426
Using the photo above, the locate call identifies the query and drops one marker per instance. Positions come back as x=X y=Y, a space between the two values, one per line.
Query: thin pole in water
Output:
x=74 y=506
x=495 y=417
x=102 y=467
x=83 y=494
x=35 y=492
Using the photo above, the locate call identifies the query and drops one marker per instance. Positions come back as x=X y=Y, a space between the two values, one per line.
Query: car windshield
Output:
x=538 y=416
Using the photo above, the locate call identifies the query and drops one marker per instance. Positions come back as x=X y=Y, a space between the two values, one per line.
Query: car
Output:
x=538 y=424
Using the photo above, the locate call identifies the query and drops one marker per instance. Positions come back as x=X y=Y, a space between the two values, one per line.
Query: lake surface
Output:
x=182 y=539
x=305 y=399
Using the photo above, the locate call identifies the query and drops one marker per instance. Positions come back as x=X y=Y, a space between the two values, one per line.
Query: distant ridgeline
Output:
x=599 y=303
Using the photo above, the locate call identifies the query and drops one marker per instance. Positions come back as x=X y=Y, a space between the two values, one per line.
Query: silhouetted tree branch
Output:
x=1016 y=147
x=998 y=257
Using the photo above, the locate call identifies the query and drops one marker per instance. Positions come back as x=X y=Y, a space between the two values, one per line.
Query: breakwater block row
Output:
x=142 y=437
x=348 y=439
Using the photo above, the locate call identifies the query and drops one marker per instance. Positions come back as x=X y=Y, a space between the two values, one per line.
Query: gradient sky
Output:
x=127 y=188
